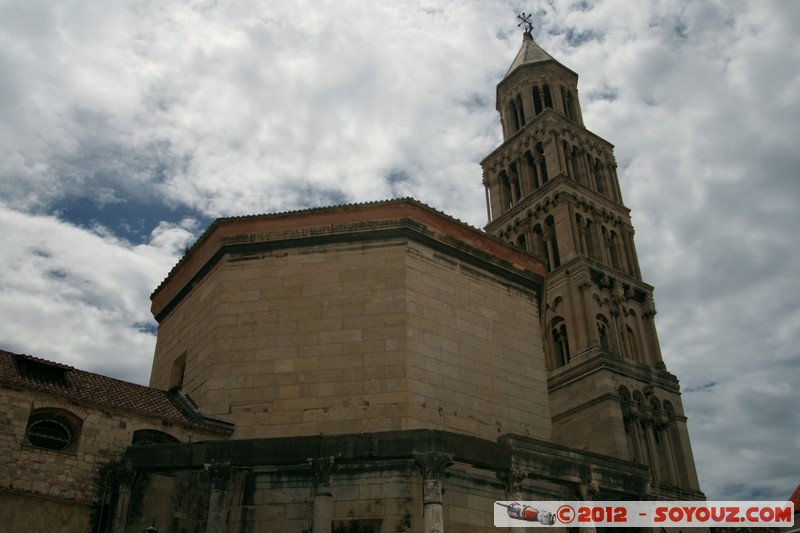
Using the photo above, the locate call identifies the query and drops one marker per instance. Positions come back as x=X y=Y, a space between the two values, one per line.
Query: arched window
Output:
x=676 y=446
x=505 y=190
x=560 y=342
x=516 y=112
x=630 y=417
x=631 y=339
x=537 y=100
x=613 y=250
x=586 y=230
x=143 y=437
x=551 y=239
x=604 y=332
x=575 y=162
x=565 y=100
x=540 y=246
x=516 y=190
x=634 y=341
x=548 y=100
x=522 y=242
x=542 y=163
x=53 y=429
x=532 y=172
x=599 y=180
x=569 y=105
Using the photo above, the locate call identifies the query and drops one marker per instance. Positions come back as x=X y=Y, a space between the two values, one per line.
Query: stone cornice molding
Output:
x=395 y=220
x=600 y=361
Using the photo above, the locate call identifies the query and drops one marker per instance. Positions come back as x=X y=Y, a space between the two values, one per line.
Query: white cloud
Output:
x=81 y=295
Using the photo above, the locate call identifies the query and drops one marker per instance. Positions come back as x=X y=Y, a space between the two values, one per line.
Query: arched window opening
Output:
x=552 y=241
x=676 y=448
x=522 y=242
x=540 y=246
x=542 y=162
x=532 y=173
x=599 y=180
x=516 y=191
x=575 y=162
x=603 y=331
x=589 y=239
x=635 y=337
x=633 y=351
x=537 y=100
x=513 y=115
x=548 y=100
x=53 y=429
x=520 y=111
x=505 y=190
x=569 y=105
x=560 y=342
x=566 y=97
x=642 y=428
x=630 y=417
x=613 y=250
x=144 y=437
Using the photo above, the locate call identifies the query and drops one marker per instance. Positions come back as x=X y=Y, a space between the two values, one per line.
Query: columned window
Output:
x=559 y=342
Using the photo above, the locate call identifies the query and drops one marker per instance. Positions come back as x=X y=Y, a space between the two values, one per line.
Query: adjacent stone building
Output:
x=378 y=367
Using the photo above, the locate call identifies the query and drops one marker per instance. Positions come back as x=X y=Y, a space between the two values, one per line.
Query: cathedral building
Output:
x=378 y=367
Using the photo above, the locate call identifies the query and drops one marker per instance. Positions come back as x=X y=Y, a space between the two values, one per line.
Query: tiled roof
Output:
x=25 y=371
x=795 y=498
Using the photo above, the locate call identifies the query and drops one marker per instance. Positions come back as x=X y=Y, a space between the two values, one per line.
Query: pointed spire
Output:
x=528 y=54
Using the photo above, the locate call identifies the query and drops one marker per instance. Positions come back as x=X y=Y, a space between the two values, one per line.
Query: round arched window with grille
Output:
x=53 y=430
x=49 y=434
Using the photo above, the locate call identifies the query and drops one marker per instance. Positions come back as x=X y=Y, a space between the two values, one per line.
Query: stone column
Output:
x=488 y=201
x=124 y=477
x=513 y=479
x=646 y=412
x=617 y=297
x=218 y=474
x=585 y=286
x=562 y=164
x=323 y=468
x=589 y=491
x=662 y=426
x=630 y=413
x=649 y=312
x=432 y=465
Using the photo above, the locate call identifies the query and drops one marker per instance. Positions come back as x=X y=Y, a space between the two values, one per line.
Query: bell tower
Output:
x=552 y=189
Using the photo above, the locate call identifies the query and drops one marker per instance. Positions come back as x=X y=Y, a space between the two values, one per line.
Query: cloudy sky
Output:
x=126 y=127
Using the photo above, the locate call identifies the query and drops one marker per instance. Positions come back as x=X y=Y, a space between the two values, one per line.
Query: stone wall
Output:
x=65 y=487
x=366 y=483
x=345 y=337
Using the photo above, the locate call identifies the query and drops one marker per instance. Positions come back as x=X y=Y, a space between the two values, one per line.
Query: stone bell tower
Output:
x=552 y=189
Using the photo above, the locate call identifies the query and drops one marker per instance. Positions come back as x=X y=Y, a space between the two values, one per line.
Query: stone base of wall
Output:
x=369 y=482
x=33 y=514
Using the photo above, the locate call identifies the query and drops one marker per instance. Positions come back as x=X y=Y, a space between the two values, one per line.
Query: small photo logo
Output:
x=517 y=511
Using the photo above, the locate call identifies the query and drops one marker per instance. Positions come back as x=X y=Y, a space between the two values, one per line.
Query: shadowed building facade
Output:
x=383 y=367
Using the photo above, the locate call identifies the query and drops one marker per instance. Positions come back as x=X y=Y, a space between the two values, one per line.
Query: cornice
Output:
x=472 y=247
x=551 y=122
x=563 y=190
x=595 y=360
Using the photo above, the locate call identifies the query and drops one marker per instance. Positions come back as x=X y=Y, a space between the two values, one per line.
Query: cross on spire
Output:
x=526 y=23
